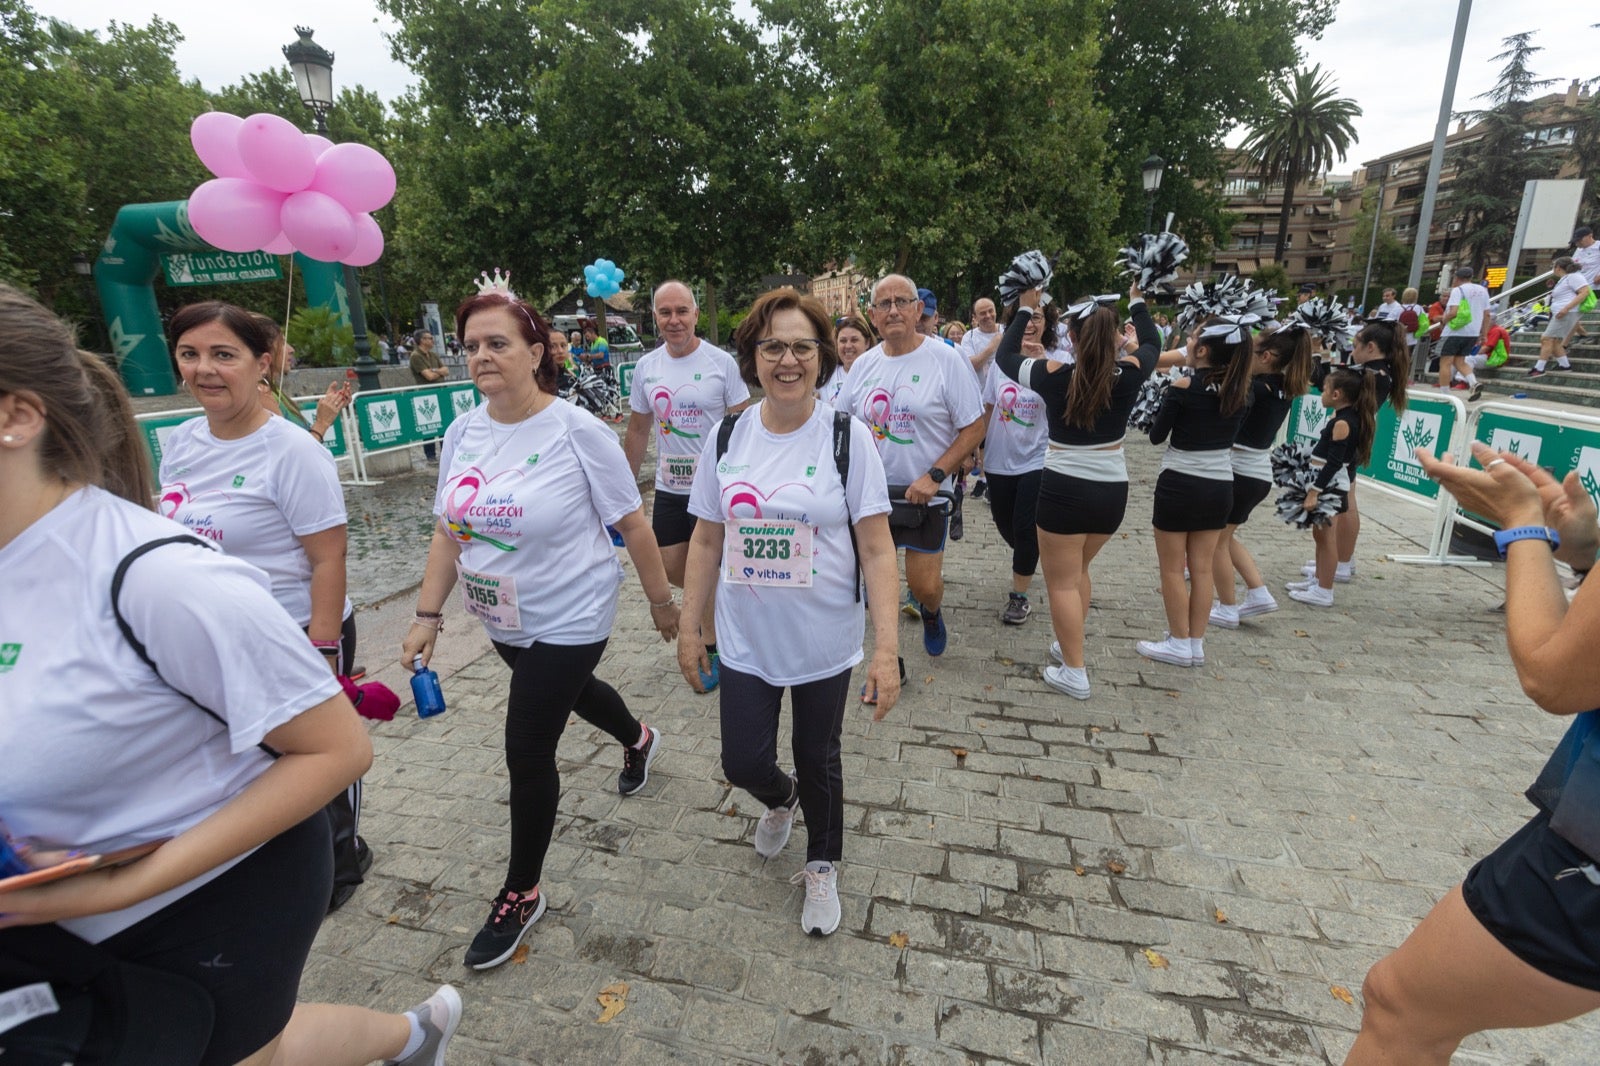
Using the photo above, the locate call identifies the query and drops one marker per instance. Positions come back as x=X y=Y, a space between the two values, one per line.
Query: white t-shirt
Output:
x=831 y=390
x=528 y=504
x=99 y=752
x=786 y=635
x=1588 y=260
x=1477 y=298
x=1389 y=312
x=255 y=497
x=687 y=397
x=972 y=346
x=915 y=404
x=1566 y=291
x=1019 y=430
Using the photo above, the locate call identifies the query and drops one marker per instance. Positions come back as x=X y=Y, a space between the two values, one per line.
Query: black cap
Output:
x=1580 y=233
x=1308 y=287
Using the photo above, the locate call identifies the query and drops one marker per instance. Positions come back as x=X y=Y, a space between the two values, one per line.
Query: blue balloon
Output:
x=593 y=290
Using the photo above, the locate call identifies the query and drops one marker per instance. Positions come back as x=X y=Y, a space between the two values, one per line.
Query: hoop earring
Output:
x=184 y=385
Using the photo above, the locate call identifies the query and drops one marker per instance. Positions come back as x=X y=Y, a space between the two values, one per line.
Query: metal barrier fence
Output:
x=1559 y=441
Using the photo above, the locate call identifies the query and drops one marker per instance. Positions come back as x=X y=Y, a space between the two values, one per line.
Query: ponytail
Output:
x=1096 y=340
x=1232 y=363
x=1361 y=389
x=124 y=470
x=1291 y=355
x=1391 y=340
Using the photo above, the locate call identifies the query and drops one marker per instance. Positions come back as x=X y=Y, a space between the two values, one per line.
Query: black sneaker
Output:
x=1016 y=610
x=510 y=917
x=1536 y=373
x=958 y=528
x=1477 y=391
x=979 y=487
x=636 y=763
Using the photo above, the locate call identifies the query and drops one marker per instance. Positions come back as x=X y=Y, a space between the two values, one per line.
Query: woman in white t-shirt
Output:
x=1571 y=288
x=527 y=485
x=264 y=490
x=105 y=749
x=852 y=336
x=1013 y=460
x=780 y=534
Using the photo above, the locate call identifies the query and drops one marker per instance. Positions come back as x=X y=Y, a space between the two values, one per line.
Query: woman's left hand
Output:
x=666 y=621
x=1500 y=491
x=336 y=399
x=883 y=678
x=692 y=659
x=1310 y=502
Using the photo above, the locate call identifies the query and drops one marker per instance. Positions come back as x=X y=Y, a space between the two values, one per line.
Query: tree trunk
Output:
x=711 y=311
x=1291 y=179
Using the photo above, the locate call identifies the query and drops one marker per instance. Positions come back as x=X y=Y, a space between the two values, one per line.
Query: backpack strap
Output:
x=725 y=432
x=841 y=462
x=135 y=643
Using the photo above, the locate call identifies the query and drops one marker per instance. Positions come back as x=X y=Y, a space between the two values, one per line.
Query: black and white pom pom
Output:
x=1151 y=395
x=1292 y=508
x=1203 y=300
x=1291 y=465
x=1030 y=270
x=1263 y=303
x=1329 y=322
x=1153 y=260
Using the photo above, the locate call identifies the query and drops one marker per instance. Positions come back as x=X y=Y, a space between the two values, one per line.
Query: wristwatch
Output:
x=937 y=474
x=1505 y=537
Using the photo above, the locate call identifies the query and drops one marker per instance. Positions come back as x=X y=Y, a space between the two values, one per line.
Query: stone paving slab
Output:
x=1179 y=871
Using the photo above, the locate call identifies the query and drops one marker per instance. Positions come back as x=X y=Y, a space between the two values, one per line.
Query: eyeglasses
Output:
x=896 y=303
x=773 y=349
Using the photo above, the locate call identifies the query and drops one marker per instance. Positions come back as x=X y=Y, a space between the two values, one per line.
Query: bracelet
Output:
x=436 y=623
x=325 y=644
x=665 y=603
x=429 y=614
x=329 y=652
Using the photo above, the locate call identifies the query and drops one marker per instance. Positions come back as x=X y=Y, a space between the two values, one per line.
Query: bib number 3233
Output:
x=761 y=551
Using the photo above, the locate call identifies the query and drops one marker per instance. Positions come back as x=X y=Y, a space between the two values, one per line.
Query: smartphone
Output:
x=79 y=865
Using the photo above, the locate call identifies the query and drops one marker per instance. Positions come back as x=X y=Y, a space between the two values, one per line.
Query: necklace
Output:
x=494 y=440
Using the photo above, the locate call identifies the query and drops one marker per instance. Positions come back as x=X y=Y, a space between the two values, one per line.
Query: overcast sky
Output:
x=1390 y=57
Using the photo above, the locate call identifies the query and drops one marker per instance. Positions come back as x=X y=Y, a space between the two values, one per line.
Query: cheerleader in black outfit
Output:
x=1194 y=493
x=1282 y=372
x=1083 y=492
x=1380 y=350
x=1345 y=443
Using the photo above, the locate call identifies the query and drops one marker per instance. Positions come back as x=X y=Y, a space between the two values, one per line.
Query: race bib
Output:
x=677 y=472
x=491 y=598
x=762 y=551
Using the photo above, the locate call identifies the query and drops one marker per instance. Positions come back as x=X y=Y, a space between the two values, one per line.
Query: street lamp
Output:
x=1150 y=171
x=84 y=268
x=313 y=77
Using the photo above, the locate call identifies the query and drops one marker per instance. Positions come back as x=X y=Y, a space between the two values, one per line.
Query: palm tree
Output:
x=1307 y=126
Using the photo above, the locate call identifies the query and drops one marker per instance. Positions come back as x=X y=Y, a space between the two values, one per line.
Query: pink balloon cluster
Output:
x=279 y=190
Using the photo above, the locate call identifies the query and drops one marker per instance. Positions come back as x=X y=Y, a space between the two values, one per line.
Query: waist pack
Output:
x=903 y=514
x=1568 y=788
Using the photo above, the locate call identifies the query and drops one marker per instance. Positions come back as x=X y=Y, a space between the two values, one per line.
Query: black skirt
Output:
x=1189 y=504
x=1248 y=492
x=1070 y=505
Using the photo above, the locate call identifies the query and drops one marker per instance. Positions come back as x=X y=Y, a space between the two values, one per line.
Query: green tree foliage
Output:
x=319 y=339
x=1487 y=192
x=1306 y=129
x=1273 y=276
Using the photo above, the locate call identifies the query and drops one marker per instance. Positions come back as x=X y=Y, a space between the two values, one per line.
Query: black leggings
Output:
x=750 y=751
x=548 y=683
x=1014 y=499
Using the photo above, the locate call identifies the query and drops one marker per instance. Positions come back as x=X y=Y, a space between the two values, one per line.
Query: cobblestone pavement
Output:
x=1195 y=866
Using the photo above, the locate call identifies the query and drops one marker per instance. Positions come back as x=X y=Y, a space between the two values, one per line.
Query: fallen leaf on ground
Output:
x=613 y=998
x=393 y=919
x=1094 y=729
x=1080 y=871
x=898 y=940
x=1301 y=633
x=1342 y=994
x=1008 y=662
x=733 y=809
x=928 y=680
x=1117 y=867
x=960 y=753
x=520 y=956
x=1222 y=919
x=1156 y=960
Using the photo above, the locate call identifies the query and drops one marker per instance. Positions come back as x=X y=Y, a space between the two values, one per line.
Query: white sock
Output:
x=1254 y=594
x=414 y=1042
x=1472 y=379
x=1197 y=647
x=1539 y=365
x=1564 y=363
x=1347 y=567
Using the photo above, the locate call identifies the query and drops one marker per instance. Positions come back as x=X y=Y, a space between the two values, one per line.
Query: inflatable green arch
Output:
x=125 y=275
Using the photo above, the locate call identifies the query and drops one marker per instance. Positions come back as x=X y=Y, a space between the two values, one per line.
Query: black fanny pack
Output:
x=903 y=514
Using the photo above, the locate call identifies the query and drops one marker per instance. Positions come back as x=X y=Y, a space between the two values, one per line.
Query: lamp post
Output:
x=84 y=268
x=1150 y=171
x=1377 y=220
x=313 y=77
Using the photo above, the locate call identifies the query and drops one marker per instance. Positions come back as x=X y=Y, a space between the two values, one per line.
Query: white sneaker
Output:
x=820 y=915
x=438 y=1016
x=1302 y=584
x=1170 y=649
x=1073 y=680
x=1197 y=651
x=1055 y=653
x=1316 y=596
x=1257 y=601
x=1343 y=573
x=772 y=830
x=1225 y=615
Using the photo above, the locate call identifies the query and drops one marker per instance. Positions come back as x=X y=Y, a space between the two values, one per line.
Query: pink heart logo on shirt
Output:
x=744 y=500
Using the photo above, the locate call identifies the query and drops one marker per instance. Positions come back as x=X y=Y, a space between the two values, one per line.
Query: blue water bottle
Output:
x=11 y=863
x=425 y=690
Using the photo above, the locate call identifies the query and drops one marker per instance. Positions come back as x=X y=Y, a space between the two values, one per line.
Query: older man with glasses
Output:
x=922 y=402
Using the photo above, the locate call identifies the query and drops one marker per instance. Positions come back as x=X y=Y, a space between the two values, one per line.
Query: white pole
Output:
x=1440 y=132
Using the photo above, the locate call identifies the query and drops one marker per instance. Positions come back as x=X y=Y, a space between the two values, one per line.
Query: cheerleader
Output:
x=1083 y=492
x=1380 y=352
x=1282 y=372
x=1194 y=494
x=1345 y=444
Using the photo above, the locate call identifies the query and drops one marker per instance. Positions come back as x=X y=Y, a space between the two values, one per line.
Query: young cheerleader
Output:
x=1194 y=493
x=1380 y=352
x=1282 y=372
x=1083 y=492
x=1345 y=444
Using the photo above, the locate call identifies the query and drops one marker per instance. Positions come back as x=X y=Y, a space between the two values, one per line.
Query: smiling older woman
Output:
x=527 y=483
x=783 y=523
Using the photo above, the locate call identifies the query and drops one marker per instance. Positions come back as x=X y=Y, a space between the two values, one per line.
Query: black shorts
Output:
x=1071 y=505
x=1248 y=492
x=928 y=538
x=1186 y=503
x=1456 y=347
x=1552 y=925
x=244 y=937
x=671 y=520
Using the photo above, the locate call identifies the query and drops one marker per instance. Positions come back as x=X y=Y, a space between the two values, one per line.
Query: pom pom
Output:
x=1291 y=465
x=1202 y=300
x=1030 y=270
x=1151 y=395
x=1153 y=260
x=1263 y=303
x=1291 y=508
x=1328 y=322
